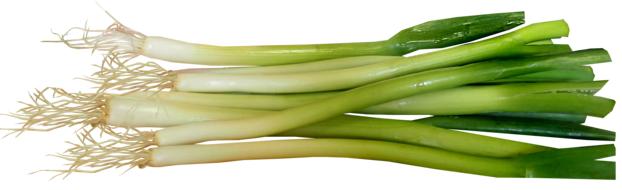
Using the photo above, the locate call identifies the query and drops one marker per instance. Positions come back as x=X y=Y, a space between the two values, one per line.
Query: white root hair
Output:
x=53 y=108
x=117 y=38
x=91 y=156
x=115 y=74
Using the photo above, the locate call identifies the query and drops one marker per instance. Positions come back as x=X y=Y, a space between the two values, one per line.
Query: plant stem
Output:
x=329 y=64
x=571 y=103
x=432 y=99
x=432 y=34
x=362 y=149
x=350 y=62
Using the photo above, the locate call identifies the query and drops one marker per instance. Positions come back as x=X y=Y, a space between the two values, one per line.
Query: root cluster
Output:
x=131 y=77
x=92 y=155
x=53 y=108
x=117 y=39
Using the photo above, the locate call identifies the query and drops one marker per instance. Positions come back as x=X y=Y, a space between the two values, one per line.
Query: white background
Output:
x=28 y=64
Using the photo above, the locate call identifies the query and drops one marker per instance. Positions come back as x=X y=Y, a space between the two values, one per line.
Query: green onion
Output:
x=144 y=76
x=150 y=110
x=280 y=101
x=54 y=108
x=348 y=78
x=351 y=62
x=145 y=111
x=544 y=164
x=572 y=103
x=501 y=98
x=474 y=99
x=128 y=43
x=563 y=163
x=520 y=82
x=368 y=95
x=521 y=126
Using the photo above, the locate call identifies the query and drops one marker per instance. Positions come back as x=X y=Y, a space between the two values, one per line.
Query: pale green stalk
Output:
x=330 y=64
x=350 y=62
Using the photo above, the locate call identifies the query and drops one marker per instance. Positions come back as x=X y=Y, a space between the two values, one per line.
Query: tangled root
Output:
x=117 y=39
x=53 y=108
x=117 y=75
x=91 y=156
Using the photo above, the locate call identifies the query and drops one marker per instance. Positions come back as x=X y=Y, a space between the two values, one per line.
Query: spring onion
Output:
x=546 y=164
x=474 y=99
x=128 y=43
x=54 y=108
x=570 y=74
x=368 y=95
x=350 y=62
x=520 y=82
x=573 y=104
x=144 y=76
x=150 y=110
x=117 y=75
x=92 y=156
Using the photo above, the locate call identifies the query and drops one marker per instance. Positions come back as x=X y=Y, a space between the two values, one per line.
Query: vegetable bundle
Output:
x=519 y=82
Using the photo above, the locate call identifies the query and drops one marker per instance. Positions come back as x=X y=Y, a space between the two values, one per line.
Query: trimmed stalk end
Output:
x=576 y=163
x=543 y=31
x=574 y=170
